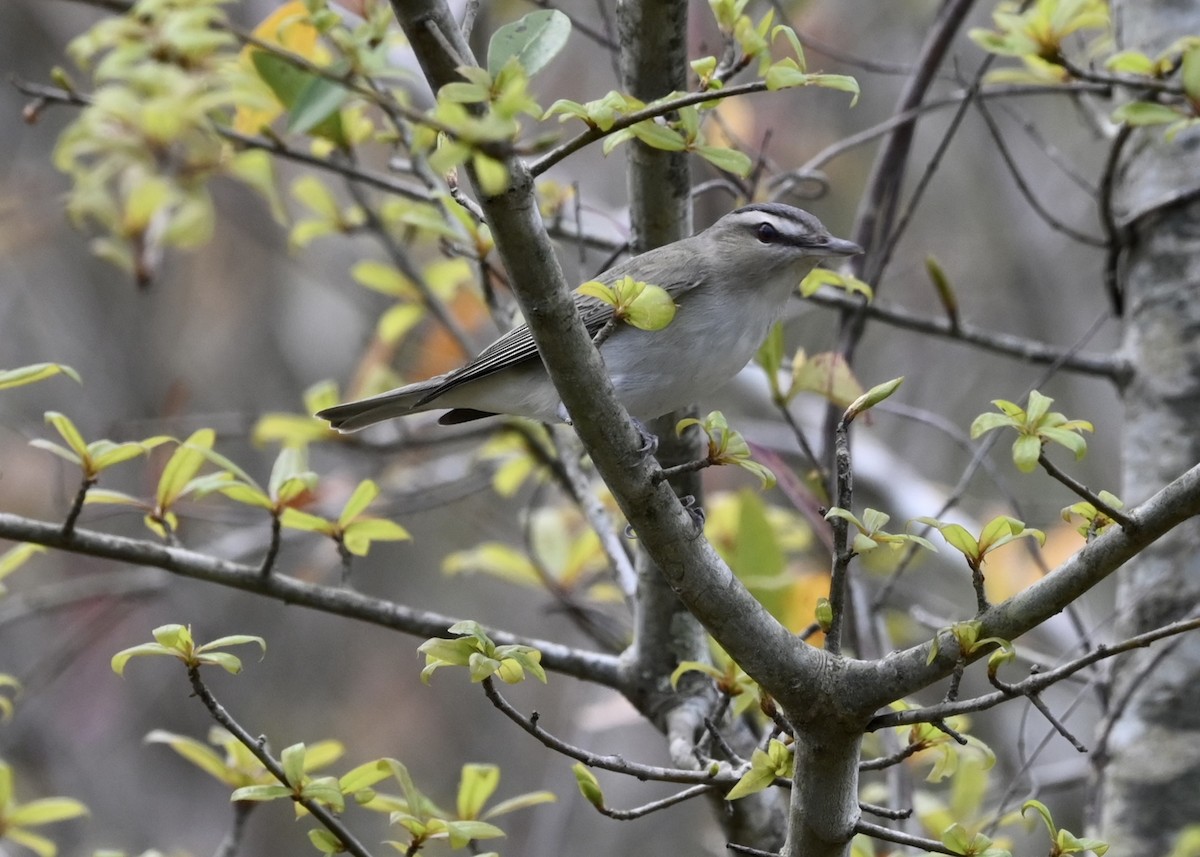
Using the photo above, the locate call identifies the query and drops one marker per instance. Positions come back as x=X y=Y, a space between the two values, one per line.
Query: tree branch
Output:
x=605 y=762
x=1010 y=345
x=589 y=666
x=1032 y=685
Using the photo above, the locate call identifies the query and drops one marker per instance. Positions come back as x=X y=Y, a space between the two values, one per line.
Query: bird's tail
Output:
x=353 y=416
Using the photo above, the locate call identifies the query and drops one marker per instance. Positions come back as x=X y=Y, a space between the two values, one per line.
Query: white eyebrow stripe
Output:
x=792 y=228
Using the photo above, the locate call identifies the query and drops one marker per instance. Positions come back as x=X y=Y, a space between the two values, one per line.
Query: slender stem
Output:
x=877 y=831
x=1033 y=684
x=686 y=467
x=655 y=806
x=1023 y=186
x=77 y=505
x=842 y=553
x=884 y=811
x=1017 y=347
x=596 y=760
x=273 y=548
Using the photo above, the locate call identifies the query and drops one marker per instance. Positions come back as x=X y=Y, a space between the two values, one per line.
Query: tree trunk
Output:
x=1148 y=756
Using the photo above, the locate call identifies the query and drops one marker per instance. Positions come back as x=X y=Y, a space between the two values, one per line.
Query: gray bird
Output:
x=729 y=283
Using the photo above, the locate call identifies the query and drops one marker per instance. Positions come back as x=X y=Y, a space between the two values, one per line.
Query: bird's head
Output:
x=771 y=237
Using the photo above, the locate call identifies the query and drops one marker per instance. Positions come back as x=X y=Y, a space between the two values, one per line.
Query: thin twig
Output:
x=842 y=552
x=1081 y=490
x=886 y=812
x=655 y=805
x=1033 y=684
x=600 y=668
x=77 y=505
x=874 y=132
x=273 y=548
x=596 y=760
x=1023 y=186
x=888 y=835
x=882 y=762
x=1010 y=345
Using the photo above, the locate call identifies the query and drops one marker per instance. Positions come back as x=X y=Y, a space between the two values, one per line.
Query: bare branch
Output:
x=590 y=666
x=603 y=761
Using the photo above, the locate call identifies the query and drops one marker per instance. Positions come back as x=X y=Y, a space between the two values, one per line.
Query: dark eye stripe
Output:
x=766 y=233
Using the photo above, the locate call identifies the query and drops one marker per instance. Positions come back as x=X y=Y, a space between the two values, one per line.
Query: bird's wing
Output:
x=517 y=345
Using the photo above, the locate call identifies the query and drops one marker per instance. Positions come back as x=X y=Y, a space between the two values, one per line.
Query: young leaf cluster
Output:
x=474 y=649
x=141 y=152
x=176 y=641
x=643 y=305
x=870 y=534
x=1035 y=425
x=727 y=446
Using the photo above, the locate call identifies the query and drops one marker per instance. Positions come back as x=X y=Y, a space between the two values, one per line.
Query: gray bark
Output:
x=1148 y=759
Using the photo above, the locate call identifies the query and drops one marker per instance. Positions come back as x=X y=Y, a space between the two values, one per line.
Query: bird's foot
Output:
x=649 y=439
x=695 y=512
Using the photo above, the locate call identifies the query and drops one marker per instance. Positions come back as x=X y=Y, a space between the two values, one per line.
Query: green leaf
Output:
x=358 y=535
x=729 y=160
x=1025 y=452
x=462 y=832
x=1143 y=113
x=589 y=786
x=658 y=136
x=533 y=41
x=873 y=397
x=122 y=657
x=261 y=793
x=325 y=842
x=105 y=453
x=200 y=755
x=66 y=429
x=985 y=423
x=384 y=278
x=492 y=174
x=311 y=191
x=523 y=801
x=292 y=760
x=15 y=557
x=294 y=519
x=365 y=775
x=40 y=845
x=1131 y=62
x=35 y=372
x=366 y=491
x=232 y=664
x=477 y=784
x=182 y=467
x=764 y=768
x=841 y=82
x=57 y=449
x=45 y=811
x=1189 y=73
x=119 y=498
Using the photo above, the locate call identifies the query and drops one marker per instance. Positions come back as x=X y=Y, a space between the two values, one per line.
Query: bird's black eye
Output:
x=766 y=233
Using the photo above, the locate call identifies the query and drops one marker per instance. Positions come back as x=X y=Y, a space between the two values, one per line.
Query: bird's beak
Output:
x=837 y=247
